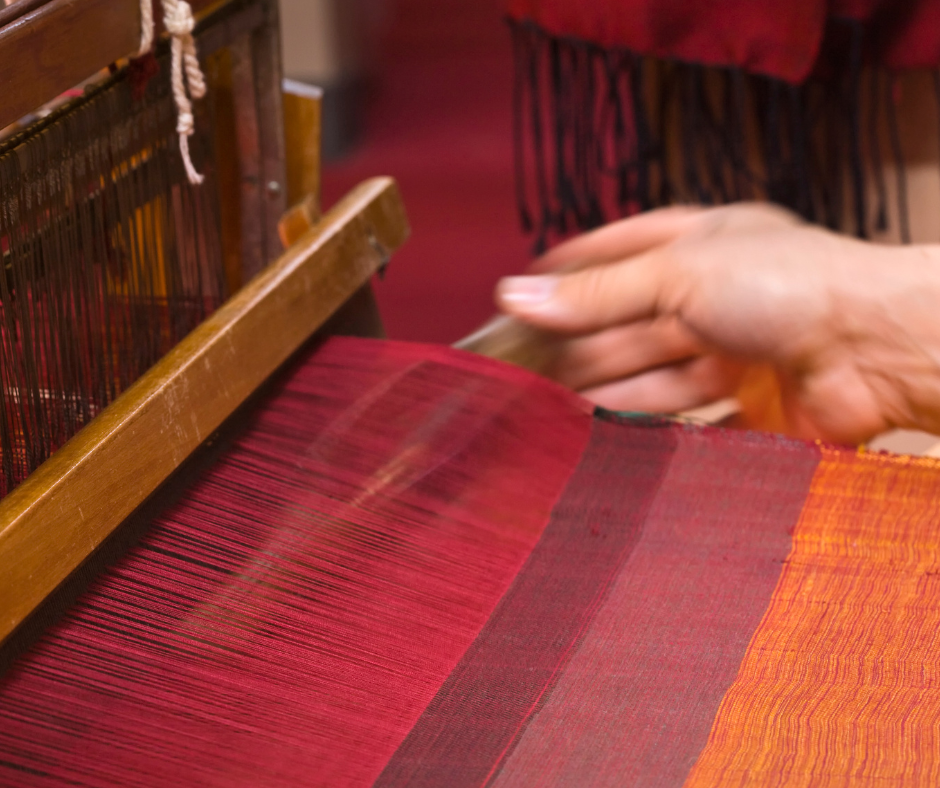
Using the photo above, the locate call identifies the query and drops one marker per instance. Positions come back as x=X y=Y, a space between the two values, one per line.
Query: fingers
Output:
x=588 y=300
x=671 y=389
x=616 y=274
x=617 y=241
x=623 y=351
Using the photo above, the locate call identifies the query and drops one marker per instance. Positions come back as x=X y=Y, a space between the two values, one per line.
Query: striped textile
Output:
x=420 y=568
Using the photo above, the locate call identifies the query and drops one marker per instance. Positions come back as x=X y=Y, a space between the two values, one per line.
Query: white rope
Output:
x=186 y=76
x=146 y=27
x=184 y=73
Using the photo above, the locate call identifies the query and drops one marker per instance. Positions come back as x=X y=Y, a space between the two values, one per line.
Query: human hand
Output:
x=665 y=311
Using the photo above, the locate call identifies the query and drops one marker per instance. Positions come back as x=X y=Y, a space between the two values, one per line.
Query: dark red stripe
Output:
x=637 y=702
x=504 y=677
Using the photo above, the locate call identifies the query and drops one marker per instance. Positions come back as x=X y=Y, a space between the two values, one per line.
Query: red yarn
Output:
x=291 y=618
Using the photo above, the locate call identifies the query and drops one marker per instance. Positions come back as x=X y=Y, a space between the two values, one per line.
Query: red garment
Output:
x=776 y=39
x=780 y=40
x=783 y=118
x=912 y=39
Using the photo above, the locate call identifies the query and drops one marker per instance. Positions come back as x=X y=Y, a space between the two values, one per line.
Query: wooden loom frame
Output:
x=49 y=46
x=60 y=515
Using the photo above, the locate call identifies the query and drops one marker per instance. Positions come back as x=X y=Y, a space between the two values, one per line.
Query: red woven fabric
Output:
x=668 y=640
x=779 y=39
x=290 y=619
x=419 y=567
x=607 y=659
x=505 y=677
x=378 y=584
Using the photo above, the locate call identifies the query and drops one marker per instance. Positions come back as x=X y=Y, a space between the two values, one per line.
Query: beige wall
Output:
x=328 y=41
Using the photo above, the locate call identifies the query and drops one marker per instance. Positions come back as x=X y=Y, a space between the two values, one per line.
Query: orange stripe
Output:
x=841 y=682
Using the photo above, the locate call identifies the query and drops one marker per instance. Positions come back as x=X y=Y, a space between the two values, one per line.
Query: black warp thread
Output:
x=109 y=258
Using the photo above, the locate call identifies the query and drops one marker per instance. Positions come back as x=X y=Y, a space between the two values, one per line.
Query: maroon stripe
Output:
x=637 y=702
x=504 y=677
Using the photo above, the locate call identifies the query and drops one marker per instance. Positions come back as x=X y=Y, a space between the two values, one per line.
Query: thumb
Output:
x=587 y=300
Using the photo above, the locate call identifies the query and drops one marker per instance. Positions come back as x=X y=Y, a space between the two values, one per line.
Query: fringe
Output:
x=601 y=134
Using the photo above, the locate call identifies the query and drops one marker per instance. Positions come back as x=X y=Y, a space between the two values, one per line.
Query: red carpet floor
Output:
x=440 y=122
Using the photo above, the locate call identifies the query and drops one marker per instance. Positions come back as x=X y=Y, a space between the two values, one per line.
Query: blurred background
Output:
x=420 y=90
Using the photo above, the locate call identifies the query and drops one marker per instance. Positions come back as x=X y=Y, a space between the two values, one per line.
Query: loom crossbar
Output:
x=63 y=512
x=58 y=43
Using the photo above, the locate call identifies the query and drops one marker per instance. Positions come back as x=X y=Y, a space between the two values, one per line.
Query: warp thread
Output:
x=186 y=76
x=288 y=621
x=110 y=257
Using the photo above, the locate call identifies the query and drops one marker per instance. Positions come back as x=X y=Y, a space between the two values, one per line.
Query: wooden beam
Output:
x=266 y=43
x=59 y=43
x=59 y=516
x=303 y=110
x=20 y=8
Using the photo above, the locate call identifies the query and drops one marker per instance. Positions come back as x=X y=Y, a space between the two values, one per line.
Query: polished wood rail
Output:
x=63 y=512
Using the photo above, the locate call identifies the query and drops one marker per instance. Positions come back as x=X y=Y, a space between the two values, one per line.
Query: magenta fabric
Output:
x=606 y=668
x=290 y=619
x=419 y=567
x=505 y=677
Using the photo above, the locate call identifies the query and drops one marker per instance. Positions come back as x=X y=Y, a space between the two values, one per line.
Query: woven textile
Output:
x=416 y=567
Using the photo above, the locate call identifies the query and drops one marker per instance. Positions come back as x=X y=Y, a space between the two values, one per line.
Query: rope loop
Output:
x=187 y=80
x=178 y=17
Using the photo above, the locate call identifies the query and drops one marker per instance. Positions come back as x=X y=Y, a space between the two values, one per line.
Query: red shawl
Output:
x=595 y=129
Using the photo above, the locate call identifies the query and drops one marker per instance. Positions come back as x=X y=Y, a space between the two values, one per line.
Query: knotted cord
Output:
x=146 y=27
x=187 y=78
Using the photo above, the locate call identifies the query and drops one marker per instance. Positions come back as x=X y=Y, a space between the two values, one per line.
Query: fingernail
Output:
x=527 y=291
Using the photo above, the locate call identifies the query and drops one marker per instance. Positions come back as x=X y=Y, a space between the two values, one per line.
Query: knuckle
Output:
x=748 y=216
x=594 y=292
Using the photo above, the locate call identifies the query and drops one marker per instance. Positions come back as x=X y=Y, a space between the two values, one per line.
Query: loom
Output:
x=239 y=549
x=111 y=257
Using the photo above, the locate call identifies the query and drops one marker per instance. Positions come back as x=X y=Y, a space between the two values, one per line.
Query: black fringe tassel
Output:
x=605 y=133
